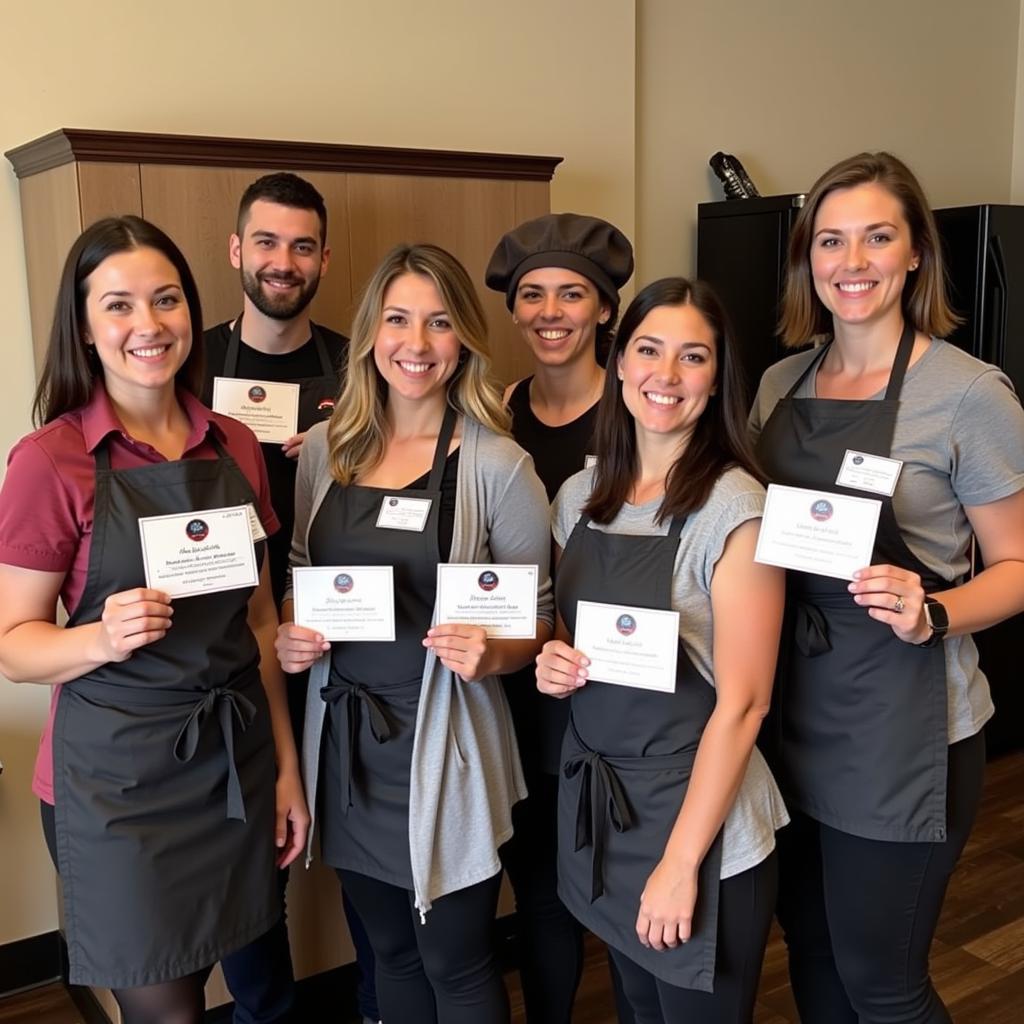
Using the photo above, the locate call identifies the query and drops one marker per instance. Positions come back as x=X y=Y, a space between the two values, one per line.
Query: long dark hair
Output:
x=71 y=366
x=719 y=439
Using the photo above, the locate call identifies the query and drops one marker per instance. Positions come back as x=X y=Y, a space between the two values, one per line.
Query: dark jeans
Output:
x=859 y=914
x=440 y=972
x=745 y=906
x=550 y=945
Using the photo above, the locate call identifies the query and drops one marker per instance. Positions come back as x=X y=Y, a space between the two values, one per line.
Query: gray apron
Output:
x=164 y=771
x=373 y=689
x=858 y=736
x=626 y=763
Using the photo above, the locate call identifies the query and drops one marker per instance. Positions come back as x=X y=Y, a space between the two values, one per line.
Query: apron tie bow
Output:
x=601 y=799
x=229 y=704
x=353 y=695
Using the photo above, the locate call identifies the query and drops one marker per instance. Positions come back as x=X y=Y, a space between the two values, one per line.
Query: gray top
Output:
x=960 y=436
x=465 y=773
x=749 y=833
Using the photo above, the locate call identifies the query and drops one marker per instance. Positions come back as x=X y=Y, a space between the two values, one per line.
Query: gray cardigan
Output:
x=465 y=773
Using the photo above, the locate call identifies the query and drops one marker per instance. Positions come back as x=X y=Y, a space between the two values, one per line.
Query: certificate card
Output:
x=501 y=598
x=268 y=408
x=199 y=552
x=346 y=602
x=817 y=531
x=628 y=646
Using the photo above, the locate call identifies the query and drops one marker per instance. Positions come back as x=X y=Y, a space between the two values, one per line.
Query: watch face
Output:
x=935 y=613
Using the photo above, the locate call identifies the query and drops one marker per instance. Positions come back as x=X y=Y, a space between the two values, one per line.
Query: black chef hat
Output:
x=588 y=245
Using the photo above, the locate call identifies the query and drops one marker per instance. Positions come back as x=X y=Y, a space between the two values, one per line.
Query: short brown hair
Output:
x=924 y=300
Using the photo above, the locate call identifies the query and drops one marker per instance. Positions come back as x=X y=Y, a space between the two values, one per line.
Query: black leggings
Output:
x=440 y=972
x=859 y=914
x=550 y=939
x=745 y=905
x=181 y=1001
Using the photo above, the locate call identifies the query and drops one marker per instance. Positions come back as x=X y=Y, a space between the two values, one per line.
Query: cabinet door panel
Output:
x=466 y=216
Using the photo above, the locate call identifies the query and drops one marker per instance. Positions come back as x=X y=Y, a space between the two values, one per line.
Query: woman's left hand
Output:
x=292 y=818
x=460 y=647
x=666 y=906
x=893 y=596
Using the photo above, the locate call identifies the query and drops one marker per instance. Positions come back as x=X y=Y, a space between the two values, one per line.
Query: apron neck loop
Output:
x=235 y=344
x=896 y=374
x=444 y=439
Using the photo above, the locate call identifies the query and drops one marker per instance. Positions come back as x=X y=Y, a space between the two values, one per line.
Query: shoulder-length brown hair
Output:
x=71 y=366
x=924 y=300
x=720 y=438
x=357 y=432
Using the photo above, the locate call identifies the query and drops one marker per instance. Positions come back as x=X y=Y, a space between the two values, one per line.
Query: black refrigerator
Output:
x=741 y=252
x=984 y=251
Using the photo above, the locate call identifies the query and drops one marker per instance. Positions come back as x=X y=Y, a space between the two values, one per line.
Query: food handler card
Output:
x=345 y=602
x=199 y=552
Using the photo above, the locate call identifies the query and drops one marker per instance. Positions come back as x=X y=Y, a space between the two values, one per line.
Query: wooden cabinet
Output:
x=190 y=186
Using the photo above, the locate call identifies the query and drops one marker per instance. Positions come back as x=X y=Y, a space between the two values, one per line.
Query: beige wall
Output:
x=791 y=87
x=454 y=74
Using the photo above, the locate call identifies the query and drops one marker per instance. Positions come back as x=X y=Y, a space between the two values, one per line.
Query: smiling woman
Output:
x=667 y=813
x=877 y=735
x=409 y=752
x=133 y=749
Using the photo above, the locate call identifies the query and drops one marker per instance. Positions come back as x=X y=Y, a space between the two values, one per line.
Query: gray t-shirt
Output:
x=749 y=834
x=960 y=436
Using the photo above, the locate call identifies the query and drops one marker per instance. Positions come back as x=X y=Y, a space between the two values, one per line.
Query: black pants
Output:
x=859 y=914
x=745 y=906
x=440 y=972
x=550 y=943
x=261 y=980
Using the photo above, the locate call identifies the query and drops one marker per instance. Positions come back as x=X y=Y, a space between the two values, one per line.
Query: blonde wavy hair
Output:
x=357 y=431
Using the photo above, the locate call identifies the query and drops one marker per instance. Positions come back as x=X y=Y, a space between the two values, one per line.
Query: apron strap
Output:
x=234 y=345
x=444 y=438
x=900 y=363
x=812 y=367
x=228 y=704
x=349 y=695
x=326 y=366
x=896 y=374
x=601 y=800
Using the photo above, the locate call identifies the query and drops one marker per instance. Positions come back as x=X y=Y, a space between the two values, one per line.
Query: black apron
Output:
x=626 y=764
x=314 y=392
x=164 y=772
x=858 y=735
x=316 y=402
x=373 y=690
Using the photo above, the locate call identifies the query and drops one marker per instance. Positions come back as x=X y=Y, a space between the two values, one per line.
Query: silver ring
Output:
x=898 y=606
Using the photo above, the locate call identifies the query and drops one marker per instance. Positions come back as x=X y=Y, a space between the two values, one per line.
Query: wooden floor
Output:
x=977 y=959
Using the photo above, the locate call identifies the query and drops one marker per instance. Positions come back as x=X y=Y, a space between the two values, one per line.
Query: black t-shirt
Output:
x=557 y=452
x=297 y=365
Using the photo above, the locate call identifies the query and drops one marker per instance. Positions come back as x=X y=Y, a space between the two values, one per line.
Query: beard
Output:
x=279 y=307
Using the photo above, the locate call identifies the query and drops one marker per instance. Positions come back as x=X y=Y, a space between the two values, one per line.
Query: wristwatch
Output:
x=938 y=620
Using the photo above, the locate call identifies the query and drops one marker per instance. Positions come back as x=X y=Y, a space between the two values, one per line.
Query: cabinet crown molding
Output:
x=68 y=145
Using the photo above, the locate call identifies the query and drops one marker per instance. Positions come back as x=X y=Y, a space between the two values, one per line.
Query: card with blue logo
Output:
x=819 y=532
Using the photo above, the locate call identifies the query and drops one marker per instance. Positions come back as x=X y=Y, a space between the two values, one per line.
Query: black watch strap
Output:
x=936 y=617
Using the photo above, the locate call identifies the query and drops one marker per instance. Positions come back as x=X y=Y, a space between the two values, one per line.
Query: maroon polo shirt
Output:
x=46 y=502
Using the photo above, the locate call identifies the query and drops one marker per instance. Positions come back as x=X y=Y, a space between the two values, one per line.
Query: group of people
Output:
x=819 y=756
